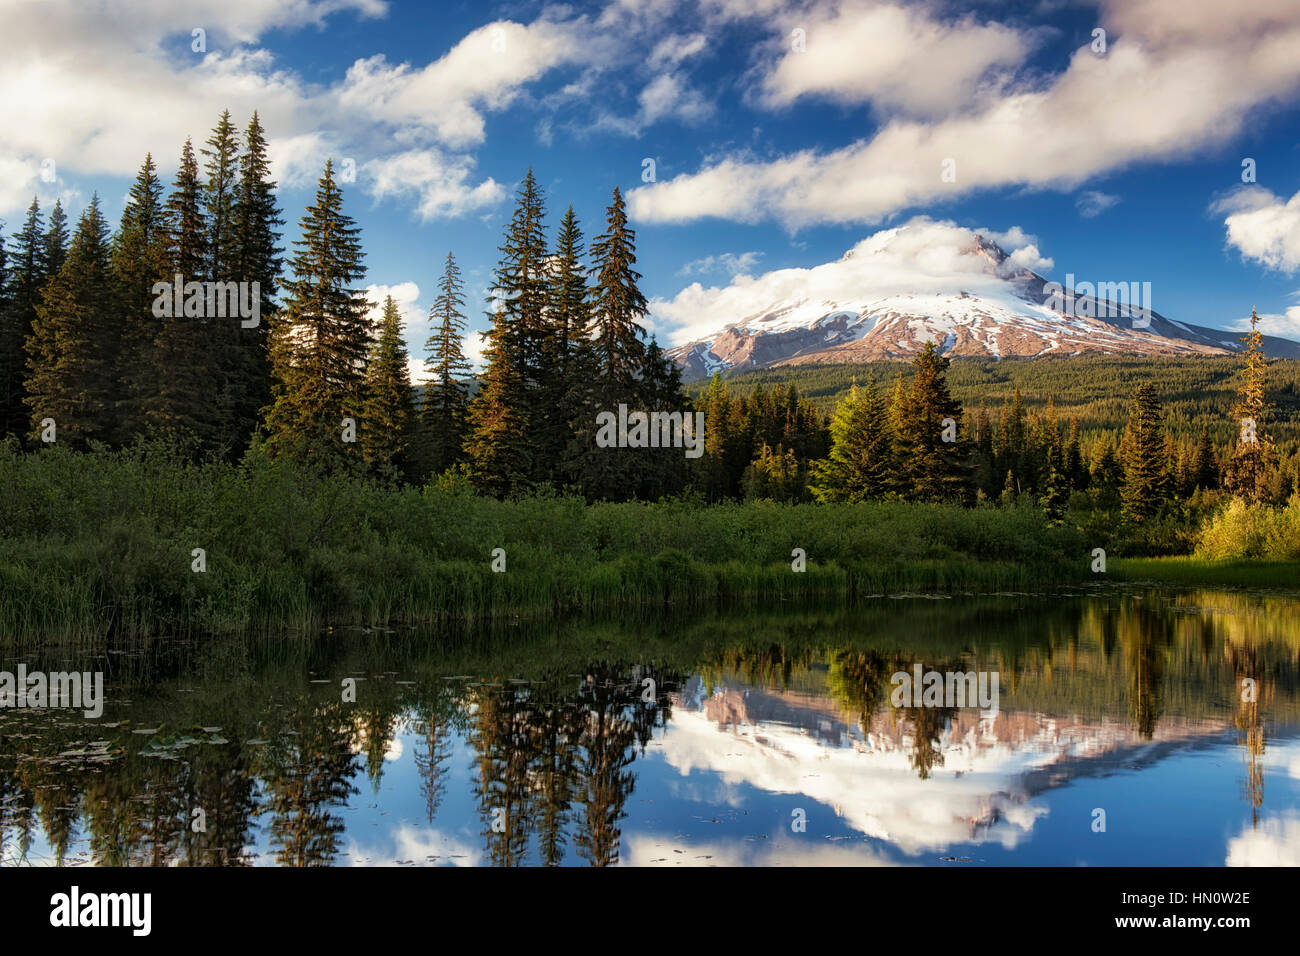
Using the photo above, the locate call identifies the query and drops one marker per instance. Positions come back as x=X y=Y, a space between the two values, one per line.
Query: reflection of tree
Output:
x=431 y=762
x=1250 y=730
x=555 y=737
x=308 y=772
x=1145 y=637
x=220 y=782
x=859 y=679
x=375 y=724
x=928 y=725
x=500 y=734
x=608 y=745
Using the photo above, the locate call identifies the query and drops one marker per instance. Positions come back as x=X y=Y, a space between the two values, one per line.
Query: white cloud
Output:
x=485 y=70
x=896 y=57
x=66 y=66
x=1169 y=84
x=919 y=257
x=1263 y=227
x=440 y=184
x=415 y=320
x=1284 y=325
x=729 y=263
x=672 y=50
x=1093 y=203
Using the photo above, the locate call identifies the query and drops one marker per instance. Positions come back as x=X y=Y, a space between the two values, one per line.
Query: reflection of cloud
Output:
x=416 y=844
x=1275 y=842
x=973 y=797
x=646 y=850
x=983 y=792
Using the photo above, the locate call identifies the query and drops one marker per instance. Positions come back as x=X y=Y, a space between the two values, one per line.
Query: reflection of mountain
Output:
x=799 y=743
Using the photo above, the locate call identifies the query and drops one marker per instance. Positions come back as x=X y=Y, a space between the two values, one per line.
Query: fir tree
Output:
x=56 y=239
x=1146 y=480
x=1248 y=470
x=497 y=443
x=321 y=337
x=72 y=349
x=567 y=387
x=936 y=468
x=22 y=295
x=861 y=463
x=256 y=259
x=446 y=395
x=186 y=383
x=1205 y=466
x=389 y=413
x=519 y=330
x=618 y=356
x=140 y=255
x=618 y=303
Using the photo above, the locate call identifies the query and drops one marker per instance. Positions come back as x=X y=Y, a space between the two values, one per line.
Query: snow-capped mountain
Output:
x=973 y=300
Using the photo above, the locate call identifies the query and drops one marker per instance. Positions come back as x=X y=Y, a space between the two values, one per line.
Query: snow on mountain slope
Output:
x=924 y=281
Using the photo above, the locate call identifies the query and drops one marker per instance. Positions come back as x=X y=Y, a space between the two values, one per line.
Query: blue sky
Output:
x=783 y=132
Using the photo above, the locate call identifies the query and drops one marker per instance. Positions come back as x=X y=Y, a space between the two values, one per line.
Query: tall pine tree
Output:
x=861 y=464
x=388 y=415
x=257 y=259
x=321 y=338
x=27 y=275
x=446 y=395
x=186 y=381
x=72 y=350
x=1146 y=481
x=140 y=252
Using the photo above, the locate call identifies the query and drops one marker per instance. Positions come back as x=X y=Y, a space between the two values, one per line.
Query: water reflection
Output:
x=684 y=741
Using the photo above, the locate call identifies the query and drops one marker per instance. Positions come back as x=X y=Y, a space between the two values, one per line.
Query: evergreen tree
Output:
x=861 y=464
x=1254 y=457
x=389 y=413
x=936 y=469
x=775 y=475
x=140 y=255
x=567 y=386
x=219 y=196
x=1076 y=475
x=446 y=395
x=1146 y=480
x=56 y=239
x=1205 y=466
x=519 y=331
x=257 y=258
x=321 y=337
x=619 y=305
x=497 y=443
x=619 y=361
x=186 y=383
x=22 y=295
x=72 y=349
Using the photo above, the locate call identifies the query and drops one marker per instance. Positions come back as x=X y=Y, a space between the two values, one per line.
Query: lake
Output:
x=1131 y=726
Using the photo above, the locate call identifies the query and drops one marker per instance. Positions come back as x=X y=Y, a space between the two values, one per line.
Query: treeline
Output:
x=83 y=356
x=94 y=355
x=1195 y=393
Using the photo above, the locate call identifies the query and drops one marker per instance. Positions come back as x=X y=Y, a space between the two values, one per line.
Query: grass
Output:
x=101 y=544
x=1200 y=571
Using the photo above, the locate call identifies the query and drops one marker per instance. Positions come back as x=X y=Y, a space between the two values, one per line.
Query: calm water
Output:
x=719 y=739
